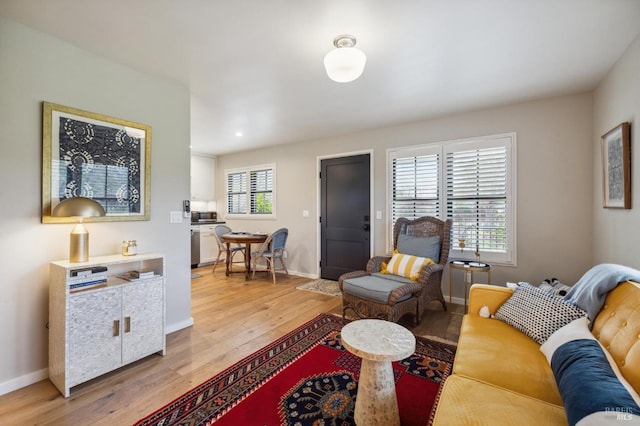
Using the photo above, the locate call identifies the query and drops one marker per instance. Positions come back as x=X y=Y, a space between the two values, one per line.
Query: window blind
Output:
x=262 y=191
x=415 y=190
x=471 y=181
x=237 y=193
x=477 y=191
x=251 y=192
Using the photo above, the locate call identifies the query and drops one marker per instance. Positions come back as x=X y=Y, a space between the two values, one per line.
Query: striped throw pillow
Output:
x=406 y=265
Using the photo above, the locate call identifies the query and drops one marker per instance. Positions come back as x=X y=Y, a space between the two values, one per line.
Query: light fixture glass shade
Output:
x=78 y=208
x=345 y=63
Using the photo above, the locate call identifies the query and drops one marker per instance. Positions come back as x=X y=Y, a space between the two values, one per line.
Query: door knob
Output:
x=366 y=227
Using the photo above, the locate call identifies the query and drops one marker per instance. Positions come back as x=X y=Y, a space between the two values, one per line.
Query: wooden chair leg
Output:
x=217 y=260
x=253 y=265
x=272 y=267
x=284 y=266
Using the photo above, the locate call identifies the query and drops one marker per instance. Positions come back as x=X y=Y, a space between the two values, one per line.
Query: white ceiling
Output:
x=255 y=66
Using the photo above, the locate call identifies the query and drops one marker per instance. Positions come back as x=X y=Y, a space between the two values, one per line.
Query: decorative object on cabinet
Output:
x=616 y=167
x=95 y=156
x=99 y=322
x=78 y=208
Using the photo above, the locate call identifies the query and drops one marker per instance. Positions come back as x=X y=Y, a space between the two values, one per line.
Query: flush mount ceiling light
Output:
x=345 y=63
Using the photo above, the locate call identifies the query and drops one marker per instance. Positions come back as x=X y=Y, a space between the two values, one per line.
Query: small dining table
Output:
x=241 y=238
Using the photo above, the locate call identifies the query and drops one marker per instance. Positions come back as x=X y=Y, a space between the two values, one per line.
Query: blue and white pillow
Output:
x=537 y=313
x=593 y=390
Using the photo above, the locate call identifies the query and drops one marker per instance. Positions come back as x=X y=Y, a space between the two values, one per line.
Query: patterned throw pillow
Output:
x=405 y=265
x=536 y=312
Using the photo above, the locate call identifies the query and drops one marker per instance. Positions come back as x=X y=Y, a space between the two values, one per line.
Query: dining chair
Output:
x=219 y=231
x=271 y=250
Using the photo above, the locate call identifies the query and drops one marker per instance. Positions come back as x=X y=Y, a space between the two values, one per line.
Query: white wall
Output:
x=617 y=99
x=554 y=159
x=35 y=67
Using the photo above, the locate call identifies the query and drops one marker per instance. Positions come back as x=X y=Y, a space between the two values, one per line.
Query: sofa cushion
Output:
x=582 y=370
x=493 y=352
x=396 y=278
x=464 y=401
x=617 y=327
x=405 y=265
x=428 y=247
x=372 y=287
x=536 y=312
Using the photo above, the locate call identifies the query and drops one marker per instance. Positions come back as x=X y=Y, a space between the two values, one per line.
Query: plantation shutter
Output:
x=237 y=193
x=262 y=191
x=415 y=190
x=476 y=192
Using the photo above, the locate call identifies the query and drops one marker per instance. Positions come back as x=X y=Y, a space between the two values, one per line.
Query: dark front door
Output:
x=345 y=223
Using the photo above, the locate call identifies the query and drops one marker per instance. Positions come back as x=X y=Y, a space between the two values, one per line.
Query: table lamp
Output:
x=78 y=208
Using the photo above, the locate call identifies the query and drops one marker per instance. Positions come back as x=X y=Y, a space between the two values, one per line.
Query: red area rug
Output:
x=306 y=378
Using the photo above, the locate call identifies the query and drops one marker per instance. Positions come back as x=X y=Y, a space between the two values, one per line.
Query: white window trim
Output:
x=510 y=257
x=248 y=214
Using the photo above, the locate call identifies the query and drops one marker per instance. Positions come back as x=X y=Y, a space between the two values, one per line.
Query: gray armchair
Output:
x=371 y=294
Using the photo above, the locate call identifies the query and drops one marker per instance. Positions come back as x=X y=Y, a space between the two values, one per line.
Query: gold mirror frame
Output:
x=110 y=145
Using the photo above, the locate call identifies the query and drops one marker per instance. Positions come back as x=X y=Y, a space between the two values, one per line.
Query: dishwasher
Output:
x=195 y=246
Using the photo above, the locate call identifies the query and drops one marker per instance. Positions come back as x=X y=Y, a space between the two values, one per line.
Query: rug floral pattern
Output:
x=306 y=378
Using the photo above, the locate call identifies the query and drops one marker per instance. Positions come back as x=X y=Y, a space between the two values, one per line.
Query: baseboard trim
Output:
x=304 y=275
x=22 y=381
x=456 y=300
x=178 y=326
x=36 y=376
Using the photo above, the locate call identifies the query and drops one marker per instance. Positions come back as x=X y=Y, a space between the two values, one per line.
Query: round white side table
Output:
x=378 y=343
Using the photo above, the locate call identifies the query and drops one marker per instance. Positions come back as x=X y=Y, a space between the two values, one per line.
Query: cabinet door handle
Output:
x=127 y=324
x=116 y=328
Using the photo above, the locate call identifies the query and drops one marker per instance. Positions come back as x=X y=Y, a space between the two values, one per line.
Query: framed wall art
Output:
x=95 y=156
x=616 y=167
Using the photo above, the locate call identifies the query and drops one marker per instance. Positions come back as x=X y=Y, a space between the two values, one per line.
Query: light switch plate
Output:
x=176 y=217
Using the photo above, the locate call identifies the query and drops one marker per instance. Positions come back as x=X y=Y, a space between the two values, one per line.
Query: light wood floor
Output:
x=232 y=317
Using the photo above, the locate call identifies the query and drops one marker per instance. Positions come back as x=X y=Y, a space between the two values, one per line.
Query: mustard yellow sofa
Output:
x=500 y=376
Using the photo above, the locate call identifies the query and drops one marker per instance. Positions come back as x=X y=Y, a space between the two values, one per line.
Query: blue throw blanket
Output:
x=591 y=290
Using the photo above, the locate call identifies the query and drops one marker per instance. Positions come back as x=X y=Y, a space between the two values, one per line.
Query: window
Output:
x=415 y=188
x=471 y=182
x=250 y=192
x=237 y=193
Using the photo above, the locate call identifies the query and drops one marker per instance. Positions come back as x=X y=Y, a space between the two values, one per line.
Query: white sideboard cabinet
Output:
x=99 y=321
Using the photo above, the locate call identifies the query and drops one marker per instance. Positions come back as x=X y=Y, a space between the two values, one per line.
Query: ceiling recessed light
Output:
x=239 y=134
